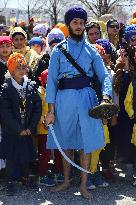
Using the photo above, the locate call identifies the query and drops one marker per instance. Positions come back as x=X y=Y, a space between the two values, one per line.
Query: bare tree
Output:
x=120 y=13
x=3 y=4
x=54 y=8
x=99 y=7
x=31 y=7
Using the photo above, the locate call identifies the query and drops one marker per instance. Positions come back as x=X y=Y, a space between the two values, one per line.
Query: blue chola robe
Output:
x=74 y=128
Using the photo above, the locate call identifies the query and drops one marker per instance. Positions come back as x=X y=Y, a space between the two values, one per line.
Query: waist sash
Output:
x=74 y=83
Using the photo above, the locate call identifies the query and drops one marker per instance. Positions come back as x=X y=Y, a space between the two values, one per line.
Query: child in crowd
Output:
x=95 y=178
x=130 y=107
x=104 y=155
x=20 y=113
x=19 y=38
x=44 y=154
x=124 y=75
x=40 y=30
x=54 y=37
x=107 y=53
x=107 y=155
x=36 y=44
x=5 y=51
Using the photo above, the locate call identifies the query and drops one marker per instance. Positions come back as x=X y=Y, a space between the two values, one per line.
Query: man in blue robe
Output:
x=69 y=106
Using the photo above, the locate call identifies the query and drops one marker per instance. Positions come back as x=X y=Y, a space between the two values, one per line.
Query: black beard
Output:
x=75 y=36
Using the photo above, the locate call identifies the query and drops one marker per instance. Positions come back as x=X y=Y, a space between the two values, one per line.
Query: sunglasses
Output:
x=114 y=26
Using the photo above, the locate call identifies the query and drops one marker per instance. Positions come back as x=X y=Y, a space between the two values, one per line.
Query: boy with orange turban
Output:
x=20 y=113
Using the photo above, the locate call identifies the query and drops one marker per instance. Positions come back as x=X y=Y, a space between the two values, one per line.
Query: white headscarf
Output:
x=40 y=29
x=55 y=33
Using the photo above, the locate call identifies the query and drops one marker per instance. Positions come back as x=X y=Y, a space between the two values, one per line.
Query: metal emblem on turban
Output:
x=104 y=110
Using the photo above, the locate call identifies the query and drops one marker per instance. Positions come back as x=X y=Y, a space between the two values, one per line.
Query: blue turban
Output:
x=36 y=40
x=75 y=12
x=55 y=36
x=130 y=31
x=105 y=44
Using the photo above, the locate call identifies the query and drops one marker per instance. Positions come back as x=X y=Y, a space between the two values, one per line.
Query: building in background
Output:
x=10 y=16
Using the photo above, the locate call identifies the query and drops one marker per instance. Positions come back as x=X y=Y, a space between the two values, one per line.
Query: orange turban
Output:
x=134 y=14
x=14 y=60
x=63 y=28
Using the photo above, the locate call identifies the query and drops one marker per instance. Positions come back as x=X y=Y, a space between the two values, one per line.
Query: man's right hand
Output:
x=49 y=119
x=23 y=133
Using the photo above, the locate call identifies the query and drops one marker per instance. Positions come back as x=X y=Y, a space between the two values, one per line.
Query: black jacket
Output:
x=42 y=65
x=10 y=109
x=3 y=70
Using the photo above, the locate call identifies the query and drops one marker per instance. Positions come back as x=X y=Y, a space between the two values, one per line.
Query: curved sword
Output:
x=62 y=152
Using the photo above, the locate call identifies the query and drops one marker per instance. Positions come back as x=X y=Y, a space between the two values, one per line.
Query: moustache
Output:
x=78 y=30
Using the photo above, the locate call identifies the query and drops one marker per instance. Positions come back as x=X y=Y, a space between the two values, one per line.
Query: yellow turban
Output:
x=102 y=25
x=133 y=21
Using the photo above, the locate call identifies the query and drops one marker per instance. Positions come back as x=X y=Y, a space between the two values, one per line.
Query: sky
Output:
x=12 y=4
x=17 y=3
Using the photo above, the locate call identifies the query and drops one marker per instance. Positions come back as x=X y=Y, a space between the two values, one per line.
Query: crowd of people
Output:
x=47 y=77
